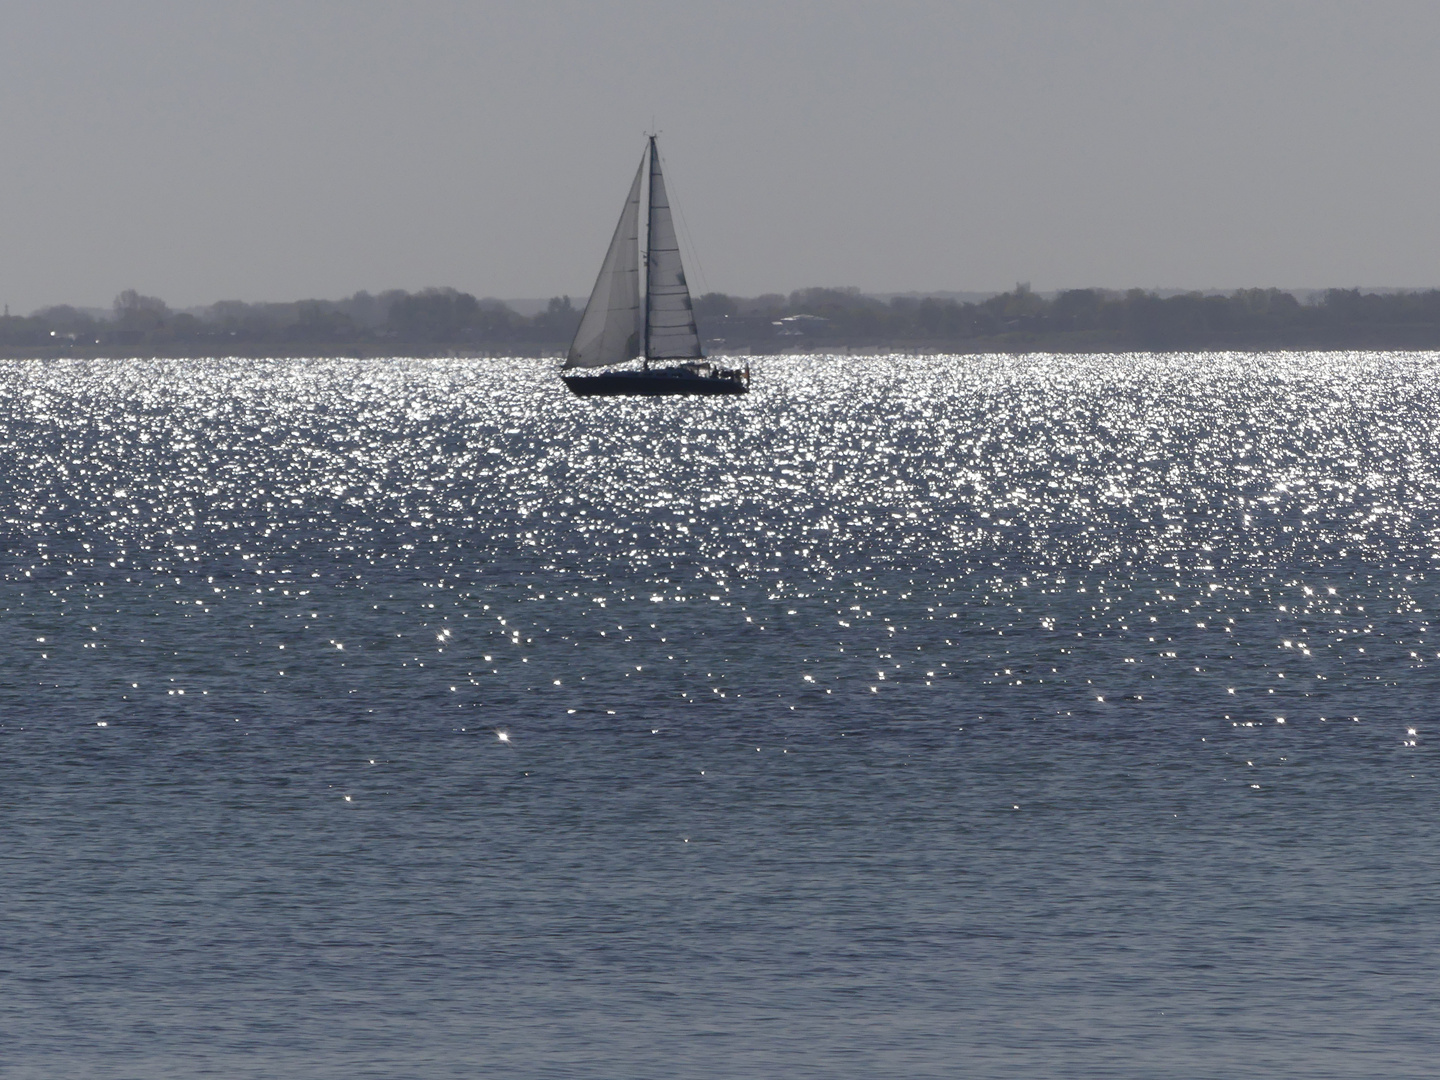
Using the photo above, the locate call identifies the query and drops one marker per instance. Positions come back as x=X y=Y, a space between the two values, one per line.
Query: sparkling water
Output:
x=983 y=716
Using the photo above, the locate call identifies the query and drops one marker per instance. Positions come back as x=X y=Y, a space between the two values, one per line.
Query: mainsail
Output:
x=670 y=332
x=609 y=331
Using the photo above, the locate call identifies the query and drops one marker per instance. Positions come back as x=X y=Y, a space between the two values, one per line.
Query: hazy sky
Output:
x=281 y=150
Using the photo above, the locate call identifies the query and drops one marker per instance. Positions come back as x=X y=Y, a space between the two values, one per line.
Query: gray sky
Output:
x=281 y=150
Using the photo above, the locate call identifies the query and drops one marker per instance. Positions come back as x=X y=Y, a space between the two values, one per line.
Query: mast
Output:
x=649 y=231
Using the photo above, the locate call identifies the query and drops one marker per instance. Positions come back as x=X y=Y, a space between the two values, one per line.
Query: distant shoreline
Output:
x=447 y=323
x=906 y=349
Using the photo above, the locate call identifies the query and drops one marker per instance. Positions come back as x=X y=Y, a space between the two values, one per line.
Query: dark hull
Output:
x=664 y=382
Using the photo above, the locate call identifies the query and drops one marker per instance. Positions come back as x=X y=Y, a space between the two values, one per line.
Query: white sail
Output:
x=609 y=331
x=669 y=318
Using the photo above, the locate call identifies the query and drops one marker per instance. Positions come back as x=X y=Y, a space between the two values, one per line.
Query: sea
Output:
x=985 y=716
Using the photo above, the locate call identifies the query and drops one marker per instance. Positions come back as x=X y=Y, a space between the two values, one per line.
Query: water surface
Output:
x=997 y=717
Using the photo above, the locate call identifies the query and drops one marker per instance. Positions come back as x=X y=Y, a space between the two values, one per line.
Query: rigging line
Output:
x=677 y=206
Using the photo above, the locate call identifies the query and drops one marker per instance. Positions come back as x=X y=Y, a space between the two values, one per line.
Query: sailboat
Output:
x=617 y=327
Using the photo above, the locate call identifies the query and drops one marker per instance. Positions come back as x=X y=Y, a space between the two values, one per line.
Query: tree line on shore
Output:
x=429 y=320
x=446 y=320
